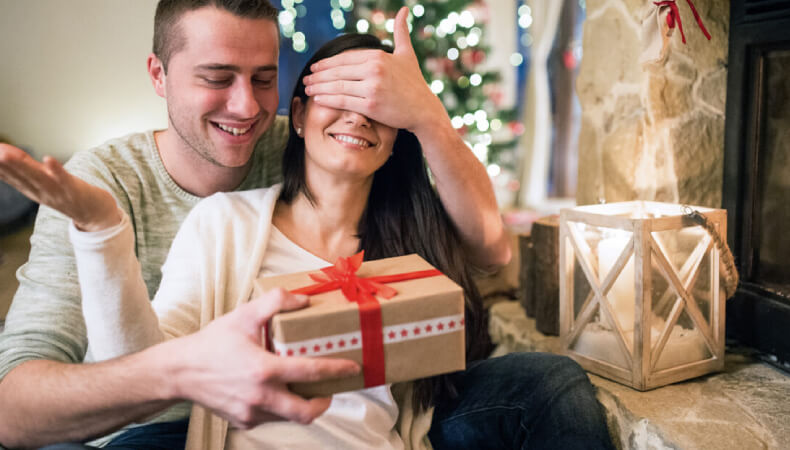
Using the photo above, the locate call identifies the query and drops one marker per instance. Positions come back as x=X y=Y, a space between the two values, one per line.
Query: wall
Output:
x=655 y=134
x=74 y=73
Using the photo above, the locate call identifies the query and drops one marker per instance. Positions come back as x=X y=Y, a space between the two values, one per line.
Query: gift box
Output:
x=399 y=318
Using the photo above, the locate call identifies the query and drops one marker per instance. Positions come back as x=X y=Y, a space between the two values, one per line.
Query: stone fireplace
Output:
x=654 y=133
x=687 y=131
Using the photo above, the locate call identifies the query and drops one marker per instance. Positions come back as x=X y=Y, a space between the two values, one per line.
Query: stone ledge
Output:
x=744 y=407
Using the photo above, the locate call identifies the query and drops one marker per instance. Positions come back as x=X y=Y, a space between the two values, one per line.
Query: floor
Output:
x=744 y=407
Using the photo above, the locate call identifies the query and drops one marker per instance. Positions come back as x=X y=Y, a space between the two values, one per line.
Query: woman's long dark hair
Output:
x=403 y=215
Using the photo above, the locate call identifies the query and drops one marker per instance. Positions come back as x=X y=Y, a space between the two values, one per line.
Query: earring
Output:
x=299 y=131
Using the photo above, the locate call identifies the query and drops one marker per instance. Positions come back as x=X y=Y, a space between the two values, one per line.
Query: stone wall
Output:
x=654 y=133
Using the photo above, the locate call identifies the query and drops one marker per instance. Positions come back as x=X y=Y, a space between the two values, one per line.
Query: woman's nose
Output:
x=356 y=118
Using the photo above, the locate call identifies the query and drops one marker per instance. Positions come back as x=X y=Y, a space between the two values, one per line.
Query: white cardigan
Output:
x=214 y=259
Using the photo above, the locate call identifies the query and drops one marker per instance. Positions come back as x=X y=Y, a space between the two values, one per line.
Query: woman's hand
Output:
x=91 y=208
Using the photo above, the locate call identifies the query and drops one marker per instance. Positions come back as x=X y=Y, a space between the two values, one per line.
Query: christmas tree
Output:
x=304 y=27
x=447 y=36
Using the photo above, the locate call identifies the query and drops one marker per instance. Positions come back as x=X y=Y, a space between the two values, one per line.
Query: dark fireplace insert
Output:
x=756 y=191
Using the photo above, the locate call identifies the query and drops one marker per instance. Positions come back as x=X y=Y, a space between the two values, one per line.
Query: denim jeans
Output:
x=154 y=436
x=521 y=401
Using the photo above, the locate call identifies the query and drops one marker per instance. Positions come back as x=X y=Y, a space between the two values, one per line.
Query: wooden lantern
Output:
x=640 y=299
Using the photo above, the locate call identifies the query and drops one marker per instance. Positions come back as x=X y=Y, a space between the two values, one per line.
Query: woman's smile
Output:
x=351 y=141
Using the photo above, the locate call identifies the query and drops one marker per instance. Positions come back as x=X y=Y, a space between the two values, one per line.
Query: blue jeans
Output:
x=154 y=436
x=521 y=401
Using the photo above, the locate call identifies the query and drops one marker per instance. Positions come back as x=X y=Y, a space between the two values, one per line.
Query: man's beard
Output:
x=201 y=149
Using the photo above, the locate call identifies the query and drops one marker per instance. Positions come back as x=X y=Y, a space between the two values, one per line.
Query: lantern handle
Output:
x=730 y=271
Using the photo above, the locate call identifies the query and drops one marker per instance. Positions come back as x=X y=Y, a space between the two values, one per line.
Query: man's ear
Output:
x=156 y=70
x=297 y=113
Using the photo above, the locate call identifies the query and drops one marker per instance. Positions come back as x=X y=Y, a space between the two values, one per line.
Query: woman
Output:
x=350 y=184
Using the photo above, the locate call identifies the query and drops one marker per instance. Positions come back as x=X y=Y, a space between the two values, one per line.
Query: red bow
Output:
x=363 y=291
x=343 y=276
x=674 y=16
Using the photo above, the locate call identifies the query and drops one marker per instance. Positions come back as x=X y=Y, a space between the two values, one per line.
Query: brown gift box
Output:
x=423 y=325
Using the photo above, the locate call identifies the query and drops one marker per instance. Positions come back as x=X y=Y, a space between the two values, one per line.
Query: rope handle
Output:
x=729 y=271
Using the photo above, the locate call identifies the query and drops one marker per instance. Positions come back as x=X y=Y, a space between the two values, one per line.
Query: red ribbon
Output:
x=363 y=291
x=674 y=16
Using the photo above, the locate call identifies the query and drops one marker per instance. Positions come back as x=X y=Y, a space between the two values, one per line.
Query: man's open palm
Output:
x=91 y=208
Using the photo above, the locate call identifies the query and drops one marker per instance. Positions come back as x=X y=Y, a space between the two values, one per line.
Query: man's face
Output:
x=221 y=88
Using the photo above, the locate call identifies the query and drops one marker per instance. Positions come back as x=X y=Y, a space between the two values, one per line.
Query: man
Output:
x=215 y=63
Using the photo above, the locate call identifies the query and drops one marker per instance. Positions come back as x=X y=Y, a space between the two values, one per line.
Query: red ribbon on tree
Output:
x=674 y=16
x=363 y=292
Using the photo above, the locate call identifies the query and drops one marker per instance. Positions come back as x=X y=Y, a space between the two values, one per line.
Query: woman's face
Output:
x=341 y=142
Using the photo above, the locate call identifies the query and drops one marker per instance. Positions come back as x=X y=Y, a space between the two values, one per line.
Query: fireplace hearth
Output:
x=756 y=191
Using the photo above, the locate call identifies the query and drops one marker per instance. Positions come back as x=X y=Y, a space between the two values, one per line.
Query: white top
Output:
x=363 y=419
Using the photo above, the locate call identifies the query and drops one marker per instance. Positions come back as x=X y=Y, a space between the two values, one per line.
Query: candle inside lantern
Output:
x=621 y=295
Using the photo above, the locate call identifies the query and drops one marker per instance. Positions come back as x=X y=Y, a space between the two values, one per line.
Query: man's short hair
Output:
x=168 y=38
